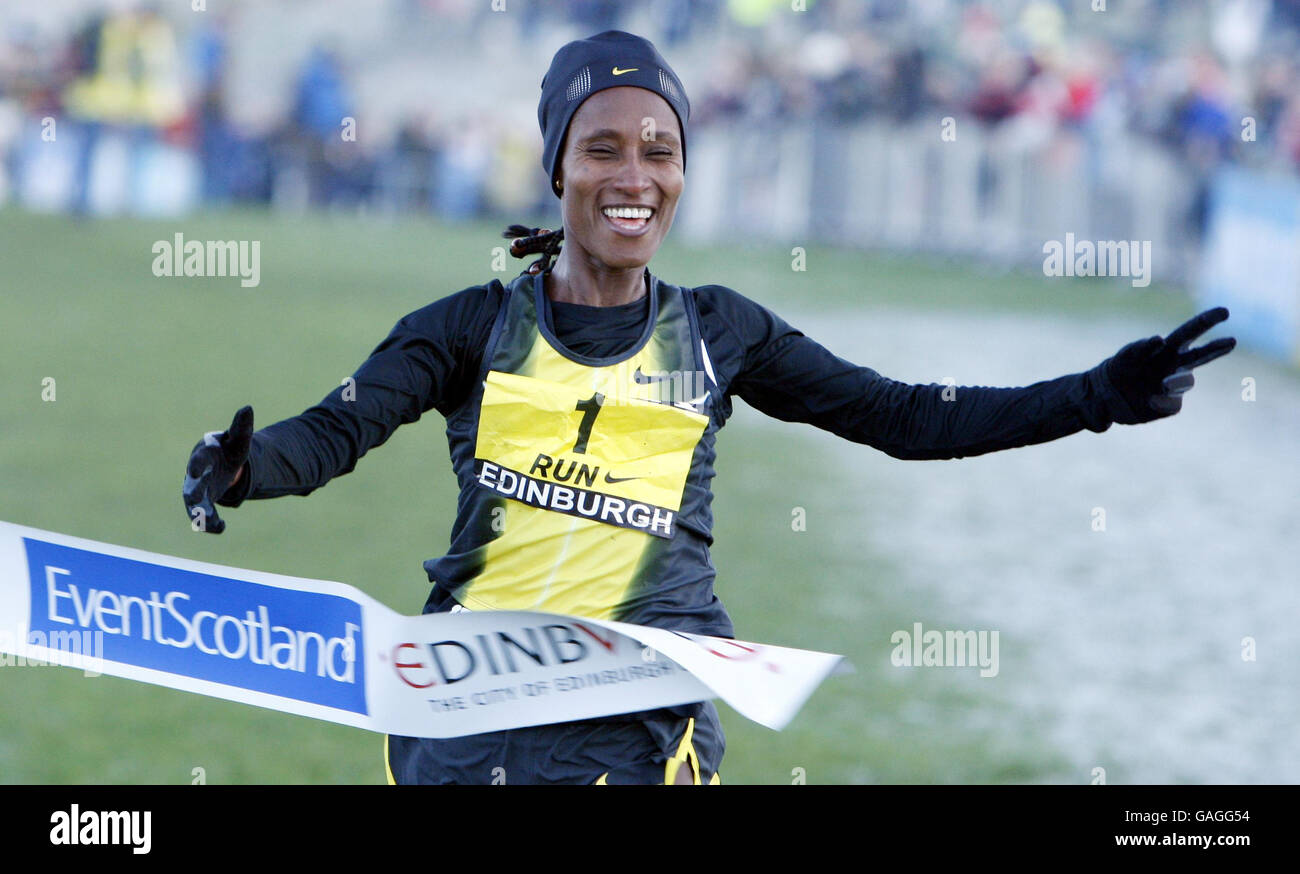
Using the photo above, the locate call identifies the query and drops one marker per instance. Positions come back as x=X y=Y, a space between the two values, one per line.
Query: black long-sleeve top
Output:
x=431 y=357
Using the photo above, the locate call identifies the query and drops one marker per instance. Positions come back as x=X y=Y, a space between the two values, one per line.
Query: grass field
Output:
x=145 y=365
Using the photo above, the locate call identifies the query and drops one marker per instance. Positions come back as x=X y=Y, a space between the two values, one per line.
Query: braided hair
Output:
x=532 y=241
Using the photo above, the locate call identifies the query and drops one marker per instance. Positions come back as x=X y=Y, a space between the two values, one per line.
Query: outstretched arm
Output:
x=298 y=455
x=427 y=361
x=790 y=377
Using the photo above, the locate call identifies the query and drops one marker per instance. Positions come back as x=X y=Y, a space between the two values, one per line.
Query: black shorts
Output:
x=642 y=748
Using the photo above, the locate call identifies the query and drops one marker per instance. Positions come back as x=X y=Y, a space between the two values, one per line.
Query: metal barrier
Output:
x=998 y=194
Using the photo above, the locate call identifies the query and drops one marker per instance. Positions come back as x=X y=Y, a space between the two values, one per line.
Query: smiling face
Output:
x=622 y=172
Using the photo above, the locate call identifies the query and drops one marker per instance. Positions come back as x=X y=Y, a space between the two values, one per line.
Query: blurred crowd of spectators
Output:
x=1213 y=82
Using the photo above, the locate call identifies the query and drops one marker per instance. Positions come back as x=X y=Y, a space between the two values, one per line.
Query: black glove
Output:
x=1152 y=374
x=214 y=463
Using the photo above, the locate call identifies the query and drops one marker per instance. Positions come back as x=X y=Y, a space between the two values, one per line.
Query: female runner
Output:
x=582 y=402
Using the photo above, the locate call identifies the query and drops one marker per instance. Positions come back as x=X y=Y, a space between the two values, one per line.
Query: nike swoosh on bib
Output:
x=643 y=379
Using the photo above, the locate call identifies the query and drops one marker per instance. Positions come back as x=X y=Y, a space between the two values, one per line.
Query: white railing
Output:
x=995 y=193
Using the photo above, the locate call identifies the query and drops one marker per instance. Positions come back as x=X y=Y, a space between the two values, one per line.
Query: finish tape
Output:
x=329 y=651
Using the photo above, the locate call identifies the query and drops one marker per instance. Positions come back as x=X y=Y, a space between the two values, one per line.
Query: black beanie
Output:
x=585 y=66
